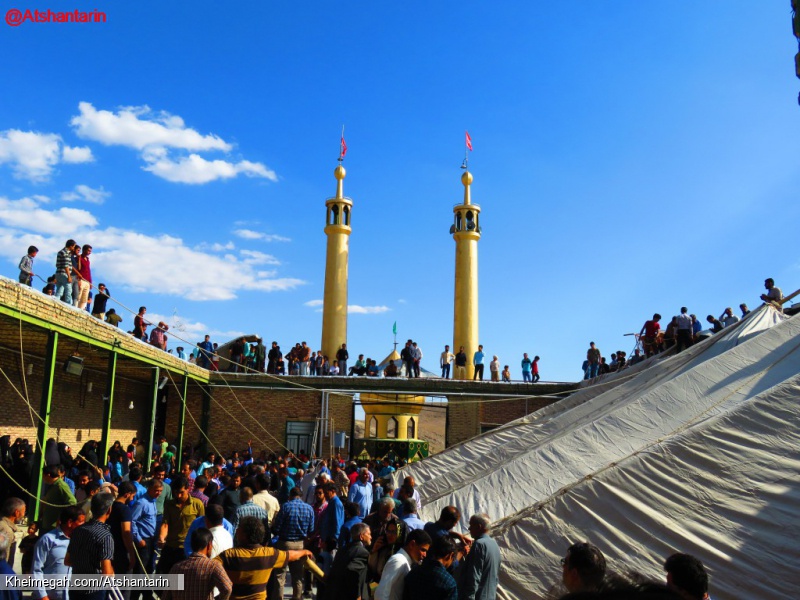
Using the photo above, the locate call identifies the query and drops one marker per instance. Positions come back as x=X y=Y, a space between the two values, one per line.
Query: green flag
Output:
x=394 y=328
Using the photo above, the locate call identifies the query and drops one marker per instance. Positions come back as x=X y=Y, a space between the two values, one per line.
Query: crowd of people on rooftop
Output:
x=234 y=526
x=683 y=331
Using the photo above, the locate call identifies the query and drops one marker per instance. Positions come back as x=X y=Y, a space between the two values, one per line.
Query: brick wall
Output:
x=76 y=415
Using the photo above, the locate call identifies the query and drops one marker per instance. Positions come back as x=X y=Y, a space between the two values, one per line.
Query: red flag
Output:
x=343 y=149
x=469 y=141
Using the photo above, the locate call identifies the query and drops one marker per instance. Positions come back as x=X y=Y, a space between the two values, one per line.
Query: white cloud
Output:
x=139 y=127
x=34 y=156
x=351 y=308
x=31 y=155
x=158 y=136
x=215 y=247
x=27 y=214
x=87 y=194
x=76 y=155
x=195 y=169
x=254 y=257
x=134 y=260
x=186 y=332
x=249 y=234
x=355 y=309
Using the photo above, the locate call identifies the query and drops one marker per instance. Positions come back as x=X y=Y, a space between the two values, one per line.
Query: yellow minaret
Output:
x=466 y=232
x=334 y=307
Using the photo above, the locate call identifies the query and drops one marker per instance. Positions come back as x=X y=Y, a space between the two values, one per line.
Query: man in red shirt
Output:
x=84 y=273
x=650 y=330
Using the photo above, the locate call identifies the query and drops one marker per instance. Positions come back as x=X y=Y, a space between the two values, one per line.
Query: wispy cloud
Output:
x=250 y=234
x=355 y=309
x=159 y=136
x=86 y=194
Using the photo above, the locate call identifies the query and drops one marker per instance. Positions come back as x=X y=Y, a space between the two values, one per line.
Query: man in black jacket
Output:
x=347 y=579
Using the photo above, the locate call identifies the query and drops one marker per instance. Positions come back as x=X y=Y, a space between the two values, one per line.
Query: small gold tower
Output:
x=466 y=232
x=334 y=307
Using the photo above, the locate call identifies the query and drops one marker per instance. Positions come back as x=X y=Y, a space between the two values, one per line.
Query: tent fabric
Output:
x=699 y=453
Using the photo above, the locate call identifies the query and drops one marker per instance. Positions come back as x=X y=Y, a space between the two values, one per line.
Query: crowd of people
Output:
x=683 y=330
x=72 y=284
x=234 y=526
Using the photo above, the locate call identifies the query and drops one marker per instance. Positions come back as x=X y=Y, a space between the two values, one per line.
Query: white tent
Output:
x=698 y=453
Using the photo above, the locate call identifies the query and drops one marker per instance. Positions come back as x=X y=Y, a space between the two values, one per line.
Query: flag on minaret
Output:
x=342 y=147
x=468 y=141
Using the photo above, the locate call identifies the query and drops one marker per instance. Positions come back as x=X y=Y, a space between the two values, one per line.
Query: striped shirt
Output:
x=201 y=576
x=64 y=261
x=249 y=568
x=89 y=545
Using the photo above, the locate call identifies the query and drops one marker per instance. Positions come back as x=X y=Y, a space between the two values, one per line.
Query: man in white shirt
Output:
x=416 y=353
x=444 y=361
x=684 y=335
x=264 y=499
x=728 y=318
x=399 y=565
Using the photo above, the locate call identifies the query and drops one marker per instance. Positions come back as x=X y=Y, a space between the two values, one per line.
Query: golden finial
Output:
x=339 y=172
x=466 y=179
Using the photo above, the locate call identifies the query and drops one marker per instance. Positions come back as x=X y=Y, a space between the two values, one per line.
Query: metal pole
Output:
x=205 y=416
x=152 y=438
x=352 y=431
x=108 y=401
x=44 y=412
x=182 y=419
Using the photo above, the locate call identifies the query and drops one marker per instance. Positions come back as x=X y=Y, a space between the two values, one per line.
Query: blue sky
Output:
x=628 y=158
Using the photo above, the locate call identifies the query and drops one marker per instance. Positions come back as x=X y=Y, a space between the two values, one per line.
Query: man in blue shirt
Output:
x=477 y=362
x=144 y=517
x=51 y=548
x=332 y=518
x=361 y=491
x=293 y=524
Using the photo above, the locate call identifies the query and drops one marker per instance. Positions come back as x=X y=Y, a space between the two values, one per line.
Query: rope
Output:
x=186 y=408
x=35 y=497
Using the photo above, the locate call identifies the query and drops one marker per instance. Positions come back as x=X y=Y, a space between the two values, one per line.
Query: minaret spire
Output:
x=337 y=229
x=466 y=232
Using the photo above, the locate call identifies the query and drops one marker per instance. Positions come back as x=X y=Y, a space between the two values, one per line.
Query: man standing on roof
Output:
x=84 y=273
x=650 y=331
x=26 y=266
x=444 y=362
x=477 y=362
x=460 y=364
x=407 y=356
x=593 y=358
x=416 y=352
x=774 y=294
x=728 y=318
x=64 y=272
x=684 y=335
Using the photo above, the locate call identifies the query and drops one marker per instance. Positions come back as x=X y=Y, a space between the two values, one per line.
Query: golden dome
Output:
x=466 y=178
x=339 y=172
x=399 y=404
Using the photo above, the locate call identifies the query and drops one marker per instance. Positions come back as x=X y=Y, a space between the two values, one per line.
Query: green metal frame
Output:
x=70 y=333
x=108 y=405
x=44 y=412
x=205 y=416
x=182 y=420
x=152 y=438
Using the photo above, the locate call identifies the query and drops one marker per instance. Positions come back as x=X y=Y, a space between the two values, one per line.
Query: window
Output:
x=373 y=427
x=411 y=433
x=391 y=428
x=300 y=436
x=335 y=212
x=346 y=213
